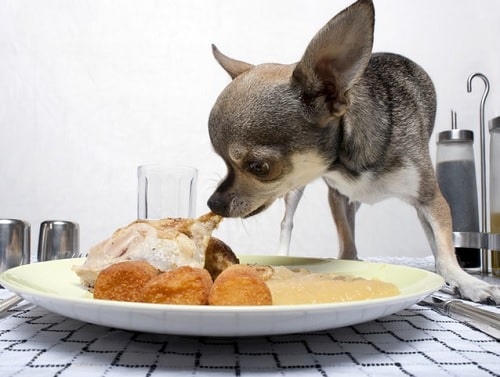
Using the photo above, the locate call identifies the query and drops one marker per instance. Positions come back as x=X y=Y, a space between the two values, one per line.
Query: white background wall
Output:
x=91 y=89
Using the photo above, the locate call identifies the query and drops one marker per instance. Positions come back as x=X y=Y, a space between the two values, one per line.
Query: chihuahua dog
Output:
x=360 y=120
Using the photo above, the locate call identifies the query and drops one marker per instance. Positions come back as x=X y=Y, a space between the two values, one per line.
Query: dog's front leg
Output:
x=435 y=217
x=292 y=199
x=344 y=213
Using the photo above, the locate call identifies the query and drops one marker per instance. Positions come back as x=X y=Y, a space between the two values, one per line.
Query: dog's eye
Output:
x=258 y=168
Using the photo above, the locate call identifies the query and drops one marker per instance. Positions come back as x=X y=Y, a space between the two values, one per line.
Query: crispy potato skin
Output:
x=240 y=285
x=182 y=286
x=123 y=281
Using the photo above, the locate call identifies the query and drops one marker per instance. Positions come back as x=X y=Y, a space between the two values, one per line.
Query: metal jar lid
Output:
x=456 y=135
x=495 y=123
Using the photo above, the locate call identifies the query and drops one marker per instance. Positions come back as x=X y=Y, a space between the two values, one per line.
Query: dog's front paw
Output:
x=479 y=291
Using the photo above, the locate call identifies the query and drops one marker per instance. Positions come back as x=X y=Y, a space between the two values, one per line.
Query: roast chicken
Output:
x=166 y=244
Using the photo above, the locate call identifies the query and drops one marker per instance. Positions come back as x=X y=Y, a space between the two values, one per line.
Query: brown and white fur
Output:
x=360 y=120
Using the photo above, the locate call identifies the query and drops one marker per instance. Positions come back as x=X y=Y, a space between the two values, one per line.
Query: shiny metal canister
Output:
x=58 y=239
x=15 y=241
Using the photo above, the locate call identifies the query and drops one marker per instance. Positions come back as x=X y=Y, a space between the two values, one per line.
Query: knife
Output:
x=483 y=320
x=8 y=303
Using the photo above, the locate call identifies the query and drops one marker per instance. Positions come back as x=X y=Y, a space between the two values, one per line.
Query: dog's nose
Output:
x=217 y=205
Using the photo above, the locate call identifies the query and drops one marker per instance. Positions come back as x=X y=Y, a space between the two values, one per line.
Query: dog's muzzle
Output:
x=256 y=211
x=222 y=206
x=219 y=206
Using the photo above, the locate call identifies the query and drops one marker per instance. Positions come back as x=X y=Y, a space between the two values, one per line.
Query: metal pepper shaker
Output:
x=456 y=176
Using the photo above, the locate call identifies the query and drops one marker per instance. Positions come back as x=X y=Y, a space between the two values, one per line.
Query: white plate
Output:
x=54 y=286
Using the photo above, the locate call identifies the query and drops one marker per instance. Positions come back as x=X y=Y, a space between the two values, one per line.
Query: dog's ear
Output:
x=335 y=58
x=231 y=66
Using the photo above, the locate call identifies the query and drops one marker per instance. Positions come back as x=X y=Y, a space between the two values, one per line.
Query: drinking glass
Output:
x=166 y=191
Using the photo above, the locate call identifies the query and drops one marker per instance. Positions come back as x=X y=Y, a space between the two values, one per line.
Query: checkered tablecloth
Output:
x=414 y=342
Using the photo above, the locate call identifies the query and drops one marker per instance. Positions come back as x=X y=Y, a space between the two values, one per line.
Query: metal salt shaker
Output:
x=58 y=239
x=14 y=243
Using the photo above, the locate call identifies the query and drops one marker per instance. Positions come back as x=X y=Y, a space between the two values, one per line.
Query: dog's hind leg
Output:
x=344 y=213
x=435 y=217
x=292 y=199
